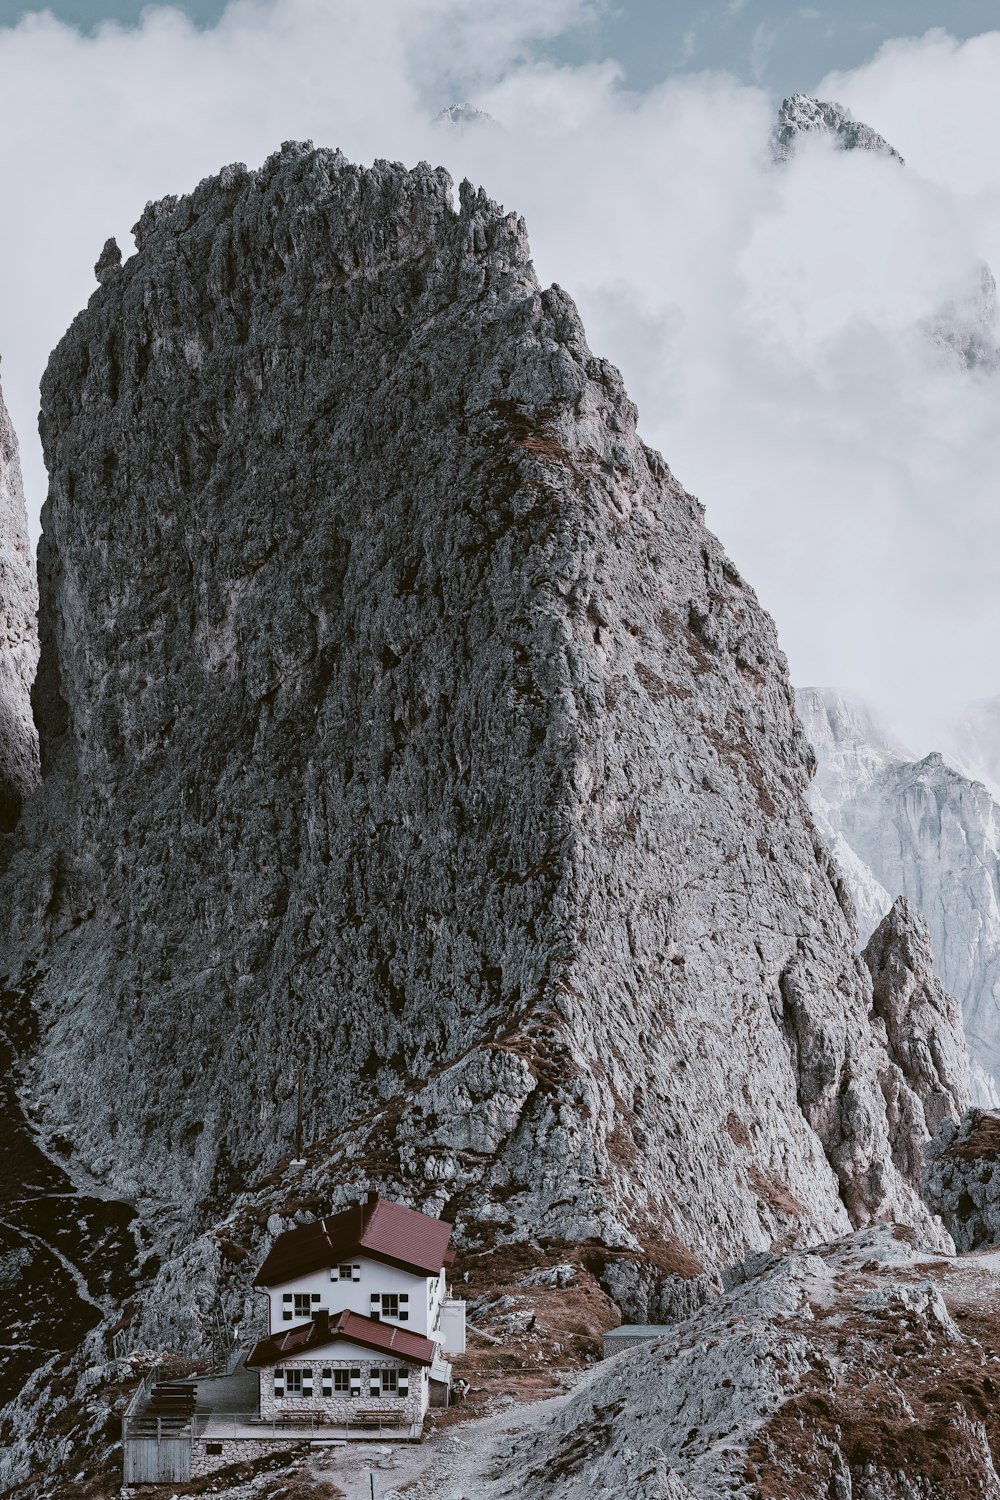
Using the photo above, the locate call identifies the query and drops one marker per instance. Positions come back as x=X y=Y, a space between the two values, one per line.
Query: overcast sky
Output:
x=771 y=323
x=779 y=44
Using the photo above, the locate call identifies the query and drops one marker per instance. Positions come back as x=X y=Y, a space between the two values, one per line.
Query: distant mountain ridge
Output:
x=922 y=829
x=968 y=326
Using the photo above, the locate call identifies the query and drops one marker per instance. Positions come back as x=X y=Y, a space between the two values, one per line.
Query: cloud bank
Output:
x=767 y=321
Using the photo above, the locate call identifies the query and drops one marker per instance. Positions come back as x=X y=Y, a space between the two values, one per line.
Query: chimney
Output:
x=371 y=1199
x=322 y=1320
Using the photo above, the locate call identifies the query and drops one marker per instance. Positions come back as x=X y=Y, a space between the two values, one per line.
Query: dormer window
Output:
x=345 y=1272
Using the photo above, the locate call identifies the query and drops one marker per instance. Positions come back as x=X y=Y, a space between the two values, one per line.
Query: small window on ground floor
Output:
x=390 y=1382
x=213 y=1449
x=342 y=1381
x=293 y=1382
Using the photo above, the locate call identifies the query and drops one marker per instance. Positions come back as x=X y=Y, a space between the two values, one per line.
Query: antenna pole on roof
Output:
x=298 y=1121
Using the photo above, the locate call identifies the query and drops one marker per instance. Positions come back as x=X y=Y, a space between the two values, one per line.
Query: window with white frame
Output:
x=302 y=1303
x=394 y=1305
x=342 y=1382
x=293 y=1382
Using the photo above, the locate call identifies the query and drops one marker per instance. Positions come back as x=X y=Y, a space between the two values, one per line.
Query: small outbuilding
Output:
x=628 y=1335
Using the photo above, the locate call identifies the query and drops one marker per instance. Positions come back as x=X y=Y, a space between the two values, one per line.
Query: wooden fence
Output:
x=152 y=1461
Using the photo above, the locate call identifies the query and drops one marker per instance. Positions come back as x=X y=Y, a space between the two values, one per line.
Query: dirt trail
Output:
x=455 y=1464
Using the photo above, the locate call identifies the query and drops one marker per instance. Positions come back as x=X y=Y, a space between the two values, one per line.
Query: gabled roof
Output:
x=384 y=1231
x=383 y=1338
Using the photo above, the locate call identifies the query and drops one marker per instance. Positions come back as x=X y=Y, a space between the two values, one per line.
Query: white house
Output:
x=359 y=1318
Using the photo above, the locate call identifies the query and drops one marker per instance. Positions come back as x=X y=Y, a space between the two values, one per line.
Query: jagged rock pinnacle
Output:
x=109 y=262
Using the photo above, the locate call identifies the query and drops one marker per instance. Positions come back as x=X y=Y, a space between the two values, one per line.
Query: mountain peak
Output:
x=801 y=114
x=463 y=116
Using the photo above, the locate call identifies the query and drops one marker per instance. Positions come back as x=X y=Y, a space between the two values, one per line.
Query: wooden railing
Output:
x=140 y=1395
x=223 y=1425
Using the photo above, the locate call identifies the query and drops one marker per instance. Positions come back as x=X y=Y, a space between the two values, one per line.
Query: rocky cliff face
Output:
x=923 y=830
x=962 y=1178
x=400 y=721
x=969 y=327
x=18 y=640
x=923 y=1028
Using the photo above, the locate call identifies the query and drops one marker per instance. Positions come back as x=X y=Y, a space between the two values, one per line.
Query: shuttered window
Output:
x=390 y=1382
x=279 y=1383
x=394 y=1305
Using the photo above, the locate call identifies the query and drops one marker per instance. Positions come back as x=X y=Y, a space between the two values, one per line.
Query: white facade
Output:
x=374 y=1290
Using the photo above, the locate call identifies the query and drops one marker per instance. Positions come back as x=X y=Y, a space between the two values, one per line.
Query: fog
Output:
x=771 y=323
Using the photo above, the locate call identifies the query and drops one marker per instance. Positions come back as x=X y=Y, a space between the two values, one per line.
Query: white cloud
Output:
x=767 y=321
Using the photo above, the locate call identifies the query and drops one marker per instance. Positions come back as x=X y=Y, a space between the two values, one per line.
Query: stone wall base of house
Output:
x=204 y=1460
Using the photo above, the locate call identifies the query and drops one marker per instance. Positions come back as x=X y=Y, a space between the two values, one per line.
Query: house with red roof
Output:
x=360 y=1321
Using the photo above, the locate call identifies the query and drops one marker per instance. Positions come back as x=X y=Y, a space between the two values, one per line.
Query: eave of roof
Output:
x=352 y=1327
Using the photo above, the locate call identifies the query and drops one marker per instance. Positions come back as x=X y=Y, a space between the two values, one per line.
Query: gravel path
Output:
x=456 y=1464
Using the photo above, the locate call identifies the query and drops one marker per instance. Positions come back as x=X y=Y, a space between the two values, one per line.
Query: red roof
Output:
x=384 y=1338
x=384 y=1231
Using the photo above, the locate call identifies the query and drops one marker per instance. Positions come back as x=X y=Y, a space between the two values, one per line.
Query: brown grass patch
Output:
x=982 y=1143
x=775 y=1193
x=658 y=690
